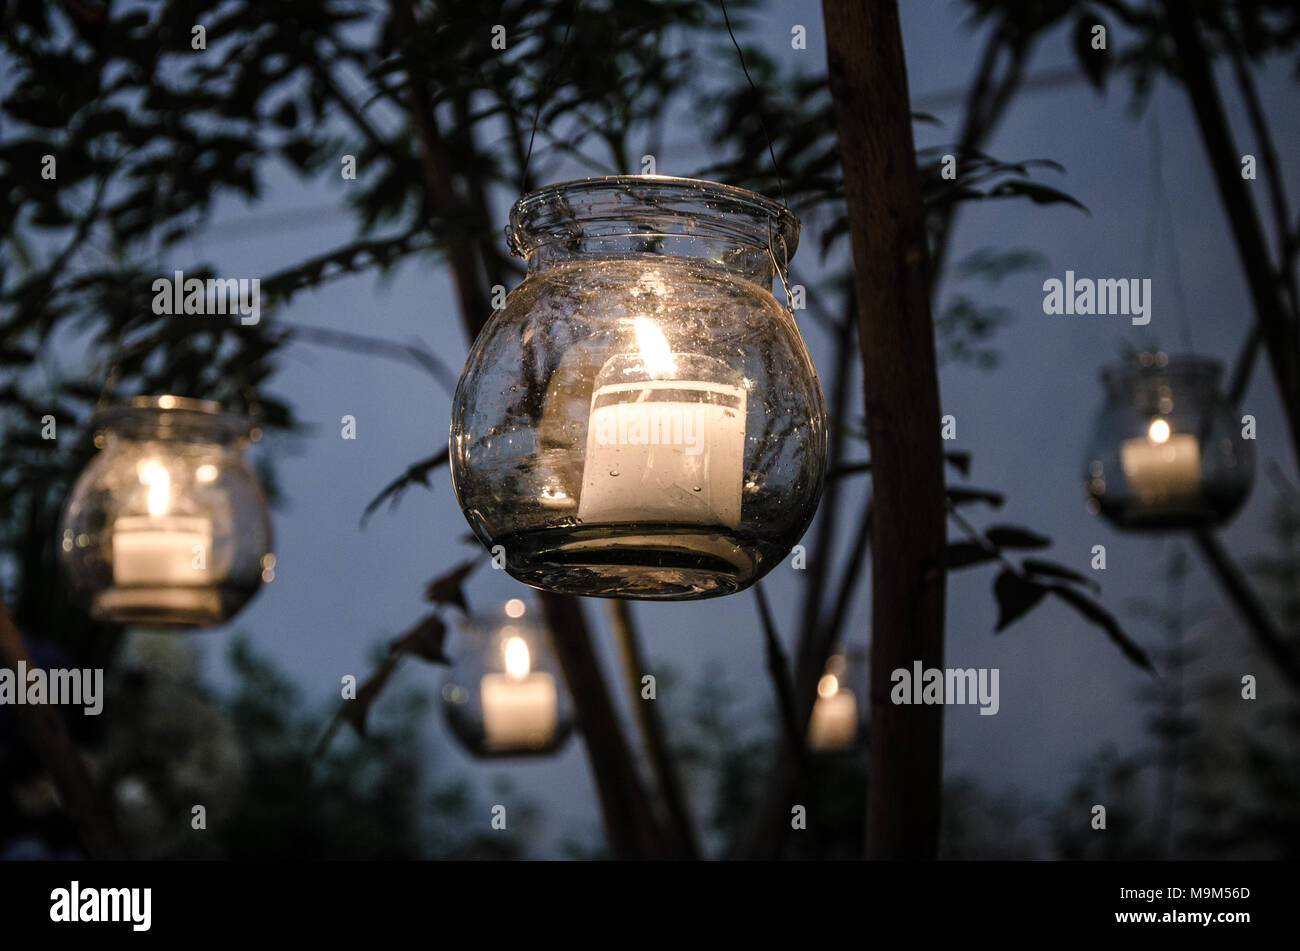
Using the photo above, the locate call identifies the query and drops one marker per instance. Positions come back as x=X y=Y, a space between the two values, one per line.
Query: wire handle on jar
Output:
x=782 y=269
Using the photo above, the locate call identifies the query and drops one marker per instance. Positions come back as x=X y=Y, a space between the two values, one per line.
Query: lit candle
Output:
x=834 y=722
x=161 y=551
x=1163 y=468
x=520 y=708
x=667 y=449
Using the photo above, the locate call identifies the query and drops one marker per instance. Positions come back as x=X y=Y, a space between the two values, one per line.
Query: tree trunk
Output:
x=651 y=728
x=868 y=82
x=630 y=825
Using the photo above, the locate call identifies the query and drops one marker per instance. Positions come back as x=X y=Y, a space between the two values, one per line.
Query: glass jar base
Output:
x=652 y=562
x=167 y=607
x=1137 y=517
x=516 y=752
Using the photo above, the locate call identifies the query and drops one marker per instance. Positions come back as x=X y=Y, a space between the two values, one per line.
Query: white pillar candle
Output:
x=519 y=713
x=1162 y=473
x=665 y=451
x=161 y=551
x=834 y=722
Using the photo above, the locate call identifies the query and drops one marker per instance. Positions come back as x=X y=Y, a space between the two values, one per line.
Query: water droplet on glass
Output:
x=613 y=473
x=698 y=489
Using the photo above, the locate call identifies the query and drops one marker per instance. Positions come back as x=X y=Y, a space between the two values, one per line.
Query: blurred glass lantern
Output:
x=167 y=526
x=642 y=418
x=1166 y=449
x=833 y=726
x=503 y=695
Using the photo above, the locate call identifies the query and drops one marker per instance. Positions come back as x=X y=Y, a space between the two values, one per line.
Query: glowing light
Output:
x=518 y=662
x=828 y=686
x=514 y=608
x=656 y=355
x=1159 y=431
x=159 y=481
x=206 y=473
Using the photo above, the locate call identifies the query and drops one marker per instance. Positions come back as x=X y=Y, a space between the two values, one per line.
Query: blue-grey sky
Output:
x=1065 y=690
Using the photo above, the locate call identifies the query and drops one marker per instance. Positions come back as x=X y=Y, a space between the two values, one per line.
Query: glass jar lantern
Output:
x=833 y=726
x=167 y=526
x=503 y=695
x=1166 y=450
x=641 y=418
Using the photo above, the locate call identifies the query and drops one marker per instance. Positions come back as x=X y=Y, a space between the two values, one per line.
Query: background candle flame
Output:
x=518 y=662
x=828 y=686
x=156 y=477
x=1158 y=431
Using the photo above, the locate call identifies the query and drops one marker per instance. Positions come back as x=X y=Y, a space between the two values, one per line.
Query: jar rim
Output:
x=546 y=214
x=180 y=411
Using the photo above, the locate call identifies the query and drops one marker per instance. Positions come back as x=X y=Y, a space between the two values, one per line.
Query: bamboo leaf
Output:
x=446 y=589
x=1098 y=615
x=1016 y=596
x=424 y=640
x=966 y=554
x=416 y=473
x=1012 y=536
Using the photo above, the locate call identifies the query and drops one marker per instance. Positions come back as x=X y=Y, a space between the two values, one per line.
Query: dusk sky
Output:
x=1065 y=690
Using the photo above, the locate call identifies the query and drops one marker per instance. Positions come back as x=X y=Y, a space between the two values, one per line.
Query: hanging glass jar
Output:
x=1166 y=450
x=167 y=526
x=503 y=695
x=641 y=418
x=833 y=726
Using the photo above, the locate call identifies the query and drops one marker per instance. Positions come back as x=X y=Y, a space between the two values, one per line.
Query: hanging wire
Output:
x=782 y=267
x=1162 y=219
x=541 y=99
x=763 y=125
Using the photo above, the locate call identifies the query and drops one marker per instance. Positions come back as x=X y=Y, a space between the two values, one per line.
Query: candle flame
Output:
x=828 y=686
x=518 y=663
x=655 y=352
x=156 y=477
x=1159 y=431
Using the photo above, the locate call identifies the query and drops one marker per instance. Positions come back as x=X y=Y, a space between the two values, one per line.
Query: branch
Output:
x=849 y=581
x=630 y=826
x=348 y=259
x=378 y=347
x=1267 y=635
x=1269 y=160
x=824 y=546
x=651 y=727
x=1244 y=366
x=780 y=673
x=985 y=104
x=474 y=303
x=1280 y=335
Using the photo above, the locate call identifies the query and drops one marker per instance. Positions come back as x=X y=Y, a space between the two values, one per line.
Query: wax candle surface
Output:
x=519 y=712
x=834 y=722
x=665 y=451
x=1162 y=473
x=161 y=550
